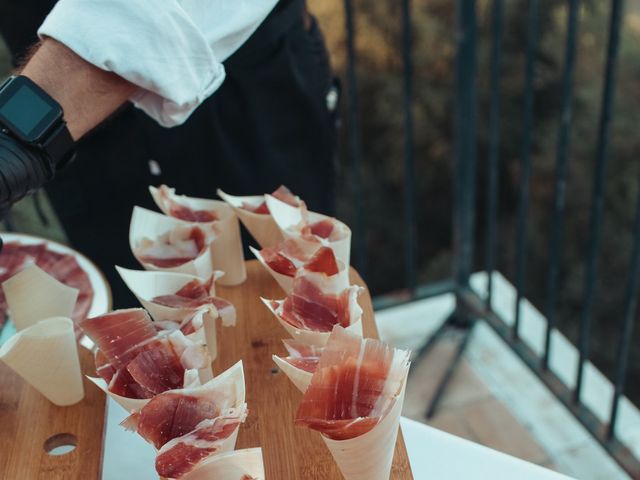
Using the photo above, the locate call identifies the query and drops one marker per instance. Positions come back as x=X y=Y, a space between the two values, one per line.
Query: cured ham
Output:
x=172 y=205
x=136 y=361
x=188 y=425
x=323 y=261
x=302 y=356
x=311 y=229
x=309 y=308
x=285 y=258
x=354 y=387
x=225 y=253
x=120 y=334
x=174 y=248
x=319 y=298
x=282 y=193
x=157 y=370
x=63 y=267
x=328 y=229
x=196 y=294
x=182 y=454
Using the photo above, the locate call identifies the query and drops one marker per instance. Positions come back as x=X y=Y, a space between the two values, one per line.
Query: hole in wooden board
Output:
x=275 y=370
x=60 y=444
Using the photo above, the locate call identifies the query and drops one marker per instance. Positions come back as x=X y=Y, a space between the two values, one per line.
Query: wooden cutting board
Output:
x=29 y=423
x=290 y=453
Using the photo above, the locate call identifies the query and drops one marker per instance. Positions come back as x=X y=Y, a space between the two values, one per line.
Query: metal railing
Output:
x=469 y=305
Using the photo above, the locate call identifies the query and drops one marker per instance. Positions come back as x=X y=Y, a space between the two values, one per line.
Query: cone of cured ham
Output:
x=301 y=363
x=254 y=214
x=180 y=301
x=46 y=356
x=284 y=260
x=135 y=362
x=33 y=295
x=188 y=425
x=320 y=298
x=166 y=244
x=244 y=464
x=226 y=251
x=355 y=400
x=309 y=229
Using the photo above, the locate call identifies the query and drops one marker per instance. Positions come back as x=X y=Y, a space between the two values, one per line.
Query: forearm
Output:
x=87 y=94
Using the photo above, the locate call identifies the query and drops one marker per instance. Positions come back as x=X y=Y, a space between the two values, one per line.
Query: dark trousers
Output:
x=267 y=125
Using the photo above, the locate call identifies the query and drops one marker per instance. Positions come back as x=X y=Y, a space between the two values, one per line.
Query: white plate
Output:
x=102 y=299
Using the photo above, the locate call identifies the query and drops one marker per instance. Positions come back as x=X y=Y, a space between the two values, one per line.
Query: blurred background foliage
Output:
x=378 y=43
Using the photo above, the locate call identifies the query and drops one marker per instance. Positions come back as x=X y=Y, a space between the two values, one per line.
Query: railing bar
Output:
x=409 y=165
x=355 y=146
x=602 y=156
x=616 y=449
x=562 y=154
x=422 y=292
x=465 y=140
x=626 y=325
x=525 y=162
x=497 y=16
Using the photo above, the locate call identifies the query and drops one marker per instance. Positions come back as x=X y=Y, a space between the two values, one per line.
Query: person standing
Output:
x=264 y=116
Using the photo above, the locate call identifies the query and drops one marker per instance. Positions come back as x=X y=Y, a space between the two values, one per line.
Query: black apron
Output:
x=267 y=125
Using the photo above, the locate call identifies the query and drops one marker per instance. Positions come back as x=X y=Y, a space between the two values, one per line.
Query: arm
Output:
x=166 y=60
x=88 y=95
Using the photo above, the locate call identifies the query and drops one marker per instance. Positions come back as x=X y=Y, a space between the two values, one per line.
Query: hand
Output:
x=23 y=169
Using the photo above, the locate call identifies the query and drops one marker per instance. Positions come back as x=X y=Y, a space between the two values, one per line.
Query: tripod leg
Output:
x=446 y=378
x=426 y=348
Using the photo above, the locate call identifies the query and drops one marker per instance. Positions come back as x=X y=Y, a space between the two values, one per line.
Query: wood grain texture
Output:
x=28 y=420
x=290 y=453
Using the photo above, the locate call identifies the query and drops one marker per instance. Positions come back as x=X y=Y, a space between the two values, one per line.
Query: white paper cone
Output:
x=210 y=335
x=285 y=282
x=202 y=336
x=369 y=456
x=261 y=226
x=300 y=378
x=46 y=356
x=129 y=404
x=319 y=339
x=230 y=466
x=227 y=252
x=145 y=223
x=232 y=380
x=146 y=285
x=33 y=295
x=290 y=221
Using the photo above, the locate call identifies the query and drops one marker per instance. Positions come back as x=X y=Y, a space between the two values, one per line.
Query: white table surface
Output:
x=434 y=455
x=437 y=455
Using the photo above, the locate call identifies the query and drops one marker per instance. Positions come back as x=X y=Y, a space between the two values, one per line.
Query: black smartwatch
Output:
x=30 y=115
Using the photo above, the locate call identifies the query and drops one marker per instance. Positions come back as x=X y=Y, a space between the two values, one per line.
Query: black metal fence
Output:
x=469 y=304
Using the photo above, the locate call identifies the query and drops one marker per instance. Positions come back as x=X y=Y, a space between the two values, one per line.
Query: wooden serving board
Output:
x=30 y=424
x=290 y=452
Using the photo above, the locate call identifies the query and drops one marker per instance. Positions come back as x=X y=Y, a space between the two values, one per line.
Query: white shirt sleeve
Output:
x=171 y=49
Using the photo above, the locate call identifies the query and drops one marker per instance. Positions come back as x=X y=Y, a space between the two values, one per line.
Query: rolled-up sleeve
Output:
x=172 y=50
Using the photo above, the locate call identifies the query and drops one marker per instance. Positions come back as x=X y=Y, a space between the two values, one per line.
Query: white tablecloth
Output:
x=436 y=455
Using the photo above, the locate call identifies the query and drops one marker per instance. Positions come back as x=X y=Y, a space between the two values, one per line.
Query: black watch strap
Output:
x=57 y=145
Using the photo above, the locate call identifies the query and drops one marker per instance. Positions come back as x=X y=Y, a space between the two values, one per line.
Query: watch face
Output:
x=26 y=110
